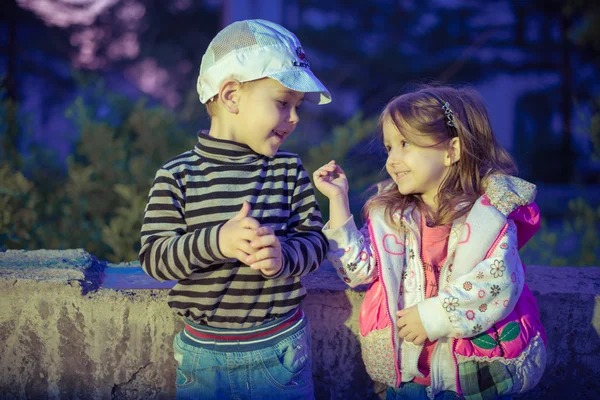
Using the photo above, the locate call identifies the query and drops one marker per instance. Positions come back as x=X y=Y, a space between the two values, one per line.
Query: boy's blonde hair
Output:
x=480 y=153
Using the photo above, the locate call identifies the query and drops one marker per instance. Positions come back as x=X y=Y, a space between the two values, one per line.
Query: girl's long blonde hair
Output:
x=480 y=153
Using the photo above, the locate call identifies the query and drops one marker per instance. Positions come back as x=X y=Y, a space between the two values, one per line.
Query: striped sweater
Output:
x=191 y=198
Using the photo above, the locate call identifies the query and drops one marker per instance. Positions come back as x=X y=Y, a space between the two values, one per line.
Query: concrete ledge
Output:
x=71 y=328
x=53 y=265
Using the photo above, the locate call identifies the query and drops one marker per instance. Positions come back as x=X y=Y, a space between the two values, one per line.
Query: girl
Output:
x=440 y=252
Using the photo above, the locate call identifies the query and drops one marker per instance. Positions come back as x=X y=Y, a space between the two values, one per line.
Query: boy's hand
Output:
x=331 y=180
x=410 y=326
x=237 y=233
x=267 y=256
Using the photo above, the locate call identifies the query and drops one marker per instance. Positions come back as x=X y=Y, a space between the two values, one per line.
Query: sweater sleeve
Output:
x=351 y=253
x=168 y=251
x=473 y=302
x=305 y=247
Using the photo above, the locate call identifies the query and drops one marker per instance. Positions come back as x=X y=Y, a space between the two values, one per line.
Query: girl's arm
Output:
x=349 y=248
x=472 y=303
x=339 y=211
x=351 y=253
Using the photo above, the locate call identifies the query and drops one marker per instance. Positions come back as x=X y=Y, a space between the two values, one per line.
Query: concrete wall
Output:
x=70 y=329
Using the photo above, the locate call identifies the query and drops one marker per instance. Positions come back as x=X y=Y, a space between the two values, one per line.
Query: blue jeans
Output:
x=281 y=371
x=414 y=391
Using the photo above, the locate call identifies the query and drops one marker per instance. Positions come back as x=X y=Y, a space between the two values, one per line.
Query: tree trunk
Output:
x=566 y=100
x=10 y=145
x=11 y=51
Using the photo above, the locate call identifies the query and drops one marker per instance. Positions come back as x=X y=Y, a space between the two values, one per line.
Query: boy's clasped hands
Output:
x=243 y=238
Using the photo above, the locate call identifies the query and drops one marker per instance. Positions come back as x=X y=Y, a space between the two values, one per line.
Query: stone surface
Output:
x=59 y=340
x=56 y=343
x=53 y=265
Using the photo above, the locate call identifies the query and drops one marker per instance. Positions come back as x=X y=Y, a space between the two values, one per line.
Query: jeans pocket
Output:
x=294 y=354
x=186 y=361
x=288 y=363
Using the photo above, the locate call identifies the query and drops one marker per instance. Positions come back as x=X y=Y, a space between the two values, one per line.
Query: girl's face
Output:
x=416 y=169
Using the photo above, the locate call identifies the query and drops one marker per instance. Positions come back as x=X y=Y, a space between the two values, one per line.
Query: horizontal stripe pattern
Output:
x=259 y=337
x=191 y=198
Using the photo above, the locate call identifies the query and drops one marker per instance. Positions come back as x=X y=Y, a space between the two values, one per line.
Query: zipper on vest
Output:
x=421 y=272
x=424 y=293
x=387 y=309
x=453 y=340
x=429 y=389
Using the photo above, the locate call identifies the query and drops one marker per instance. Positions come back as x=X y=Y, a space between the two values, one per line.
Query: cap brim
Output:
x=304 y=81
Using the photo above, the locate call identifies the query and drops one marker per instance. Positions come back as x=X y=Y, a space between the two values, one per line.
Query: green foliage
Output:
x=575 y=242
x=9 y=130
x=122 y=233
x=98 y=202
x=18 y=202
x=589 y=125
x=110 y=175
x=584 y=225
x=98 y=205
x=536 y=251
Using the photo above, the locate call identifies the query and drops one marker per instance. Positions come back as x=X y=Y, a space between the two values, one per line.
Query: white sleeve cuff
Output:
x=434 y=318
x=349 y=224
x=342 y=235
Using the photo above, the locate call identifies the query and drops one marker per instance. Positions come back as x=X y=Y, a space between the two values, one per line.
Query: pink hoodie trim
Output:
x=528 y=221
x=368 y=321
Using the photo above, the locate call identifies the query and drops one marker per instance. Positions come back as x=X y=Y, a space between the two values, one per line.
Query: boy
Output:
x=237 y=224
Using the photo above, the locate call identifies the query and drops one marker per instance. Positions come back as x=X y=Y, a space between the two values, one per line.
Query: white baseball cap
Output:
x=254 y=49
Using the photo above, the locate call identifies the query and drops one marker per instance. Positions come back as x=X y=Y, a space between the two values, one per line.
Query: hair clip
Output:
x=449 y=114
x=447 y=111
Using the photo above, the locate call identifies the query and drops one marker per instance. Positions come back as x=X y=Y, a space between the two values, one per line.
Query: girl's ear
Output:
x=453 y=154
x=229 y=95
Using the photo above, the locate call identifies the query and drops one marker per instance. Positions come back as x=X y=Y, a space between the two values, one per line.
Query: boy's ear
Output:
x=229 y=95
x=453 y=151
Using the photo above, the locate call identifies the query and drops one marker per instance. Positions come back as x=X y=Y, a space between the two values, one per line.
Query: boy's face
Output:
x=268 y=114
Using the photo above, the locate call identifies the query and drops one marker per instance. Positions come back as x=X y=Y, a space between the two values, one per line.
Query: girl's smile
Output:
x=417 y=169
x=400 y=175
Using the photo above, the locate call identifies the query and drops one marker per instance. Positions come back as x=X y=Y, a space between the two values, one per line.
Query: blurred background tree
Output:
x=98 y=94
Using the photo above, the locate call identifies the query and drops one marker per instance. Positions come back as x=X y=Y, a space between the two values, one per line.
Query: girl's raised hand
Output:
x=331 y=180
